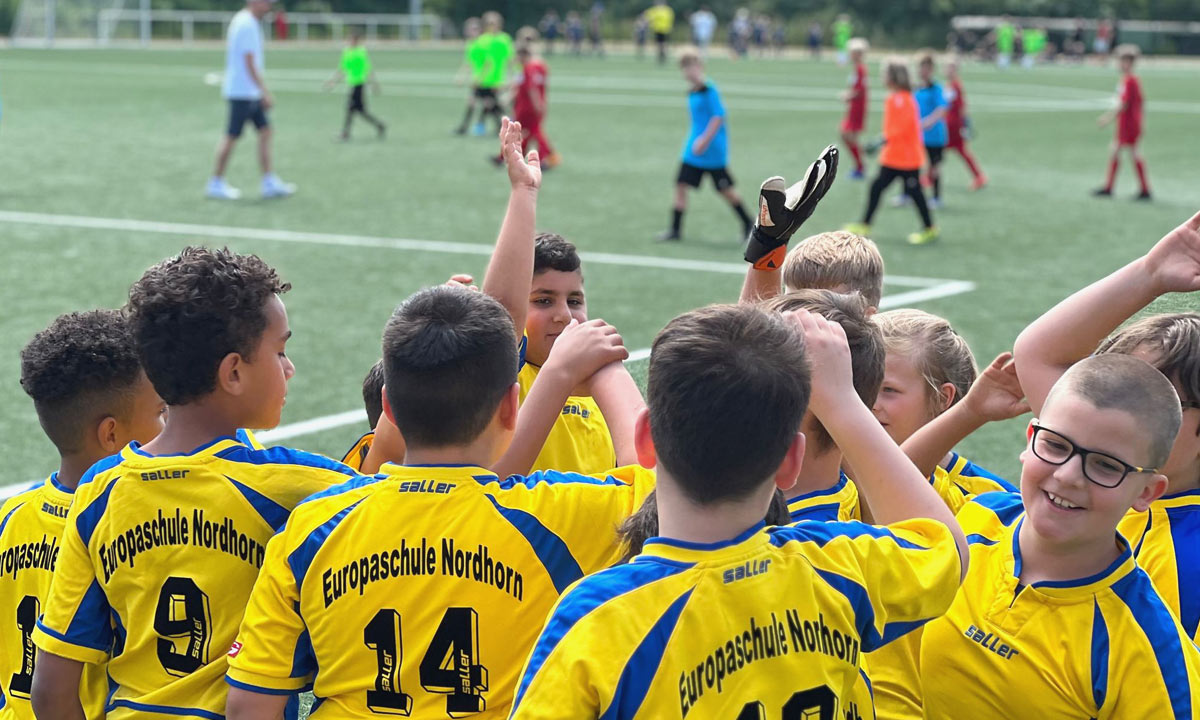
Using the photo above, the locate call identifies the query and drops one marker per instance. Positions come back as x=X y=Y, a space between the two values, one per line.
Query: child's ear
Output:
x=387 y=407
x=643 y=442
x=947 y=393
x=106 y=435
x=1155 y=487
x=793 y=461
x=229 y=375
x=507 y=412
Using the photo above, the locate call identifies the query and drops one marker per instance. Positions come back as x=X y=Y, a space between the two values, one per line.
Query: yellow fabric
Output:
x=356 y=455
x=660 y=18
x=31 y=526
x=157 y=561
x=773 y=618
x=1166 y=544
x=423 y=589
x=1103 y=647
x=579 y=441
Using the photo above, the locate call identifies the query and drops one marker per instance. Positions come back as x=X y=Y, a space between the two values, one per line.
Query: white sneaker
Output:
x=218 y=189
x=273 y=187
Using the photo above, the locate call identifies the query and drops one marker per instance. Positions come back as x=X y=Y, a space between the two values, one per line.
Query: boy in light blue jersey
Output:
x=706 y=151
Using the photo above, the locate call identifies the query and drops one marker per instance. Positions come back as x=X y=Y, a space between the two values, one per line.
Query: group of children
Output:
x=779 y=527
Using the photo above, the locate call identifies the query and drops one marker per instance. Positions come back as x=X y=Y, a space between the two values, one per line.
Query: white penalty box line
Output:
x=923 y=288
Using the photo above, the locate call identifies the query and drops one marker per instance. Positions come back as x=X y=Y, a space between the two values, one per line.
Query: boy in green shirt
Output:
x=356 y=68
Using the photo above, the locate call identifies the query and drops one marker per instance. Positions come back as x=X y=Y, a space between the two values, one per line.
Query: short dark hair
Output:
x=80 y=369
x=727 y=388
x=373 y=393
x=449 y=357
x=189 y=311
x=552 y=251
x=867 y=351
x=1123 y=382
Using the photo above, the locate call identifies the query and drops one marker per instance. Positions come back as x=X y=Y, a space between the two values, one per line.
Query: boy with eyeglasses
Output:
x=1054 y=604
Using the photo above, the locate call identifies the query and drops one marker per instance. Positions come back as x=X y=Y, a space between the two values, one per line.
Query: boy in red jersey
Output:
x=1128 y=115
x=529 y=106
x=856 y=105
x=956 y=123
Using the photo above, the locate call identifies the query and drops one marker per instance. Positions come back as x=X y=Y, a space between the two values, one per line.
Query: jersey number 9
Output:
x=182 y=615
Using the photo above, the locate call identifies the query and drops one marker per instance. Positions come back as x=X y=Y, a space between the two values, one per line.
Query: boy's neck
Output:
x=71 y=468
x=477 y=454
x=681 y=519
x=189 y=427
x=1042 y=560
x=820 y=471
x=1184 y=481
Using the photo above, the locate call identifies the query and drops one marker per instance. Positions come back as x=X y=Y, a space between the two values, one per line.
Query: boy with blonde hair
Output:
x=838 y=260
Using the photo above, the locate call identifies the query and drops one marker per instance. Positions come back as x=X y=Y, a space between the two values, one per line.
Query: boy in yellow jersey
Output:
x=164 y=540
x=721 y=617
x=1166 y=536
x=420 y=591
x=372 y=393
x=91 y=398
x=356 y=68
x=661 y=20
x=822 y=491
x=1055 y=619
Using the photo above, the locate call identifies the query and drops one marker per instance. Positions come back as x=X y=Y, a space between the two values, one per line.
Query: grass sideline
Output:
x=143 y=148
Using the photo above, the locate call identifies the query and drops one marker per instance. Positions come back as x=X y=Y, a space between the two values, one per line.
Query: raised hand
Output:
x=1174 y=261
x=996 y=393
x=522 y=171
x=584 y=348
x=828 y=354
x=782 y=210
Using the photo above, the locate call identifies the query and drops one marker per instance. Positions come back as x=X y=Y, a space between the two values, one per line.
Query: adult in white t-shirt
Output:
x=704 y=26
x=249 y=100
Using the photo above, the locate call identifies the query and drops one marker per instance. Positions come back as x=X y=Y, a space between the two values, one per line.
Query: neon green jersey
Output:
x=1004 y=38
x=356 y=65
x=497 y=53
x=842 y=29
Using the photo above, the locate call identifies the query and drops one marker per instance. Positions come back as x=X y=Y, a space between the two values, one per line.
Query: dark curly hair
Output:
x=79 y=370
x=552 y=251
x=190 y=311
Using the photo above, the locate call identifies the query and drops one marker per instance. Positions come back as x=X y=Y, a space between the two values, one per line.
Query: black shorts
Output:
x=357 y=99
x=242 y=110
x=484 y=93
x=660 y=38
x=935 y=154
x=692 y=175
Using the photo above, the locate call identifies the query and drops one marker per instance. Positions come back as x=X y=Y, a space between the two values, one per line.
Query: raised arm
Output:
x=1071 y=330
x=891 y=484
x=510 y=271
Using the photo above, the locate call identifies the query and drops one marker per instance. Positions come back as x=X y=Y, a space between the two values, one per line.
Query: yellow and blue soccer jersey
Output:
x=579 y=441
x=1166 y=544
x=770 y=624
x=157 y=561
x=836 y=504
x=356 y=455
x=421 y=591
x=962 y=480
x=1104 y=646
x=31 y=526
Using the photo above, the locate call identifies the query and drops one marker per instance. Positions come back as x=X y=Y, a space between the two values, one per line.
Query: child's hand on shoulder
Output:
x=1174 y=262
x=829 y=363
x=584 y=348
x=996 y=394
x=523 y=172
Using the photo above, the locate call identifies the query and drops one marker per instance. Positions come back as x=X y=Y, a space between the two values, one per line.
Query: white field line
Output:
x=925 y=288
x=223 y=232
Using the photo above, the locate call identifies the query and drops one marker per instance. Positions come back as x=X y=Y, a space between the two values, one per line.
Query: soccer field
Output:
x=105 y=154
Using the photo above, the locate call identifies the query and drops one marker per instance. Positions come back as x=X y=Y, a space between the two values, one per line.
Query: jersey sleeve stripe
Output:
x=823 y=533
x=165 y=709
x=257 y=688
x=973 y=470
x=302 y=557
x=864 y=613
x=1160 y=628
x=55 y=642
x=90 y=516
x=283 y=456
x=1100 y=650
x=643 y=665
x=550 y=549
x=594 y=591
x=304 y=659
x=342 y=488
x=977 y=539
x=100 y=467
x=274 y=514
x=10 y=514
x=550 y=477
x=1185 y=527
x=91 y=625
x=1006 y=506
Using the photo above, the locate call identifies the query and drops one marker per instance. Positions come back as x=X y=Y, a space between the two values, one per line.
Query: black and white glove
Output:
x=782 y=210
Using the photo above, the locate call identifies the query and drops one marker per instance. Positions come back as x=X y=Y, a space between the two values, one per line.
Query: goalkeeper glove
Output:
x=782 y=210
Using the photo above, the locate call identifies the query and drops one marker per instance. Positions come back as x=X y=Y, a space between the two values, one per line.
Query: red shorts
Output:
x=1128 y=133
x=855 y=120
x=529 y=120
x=954 y=137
